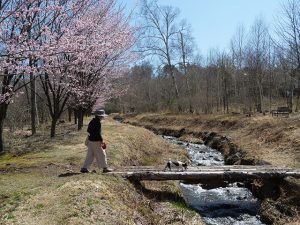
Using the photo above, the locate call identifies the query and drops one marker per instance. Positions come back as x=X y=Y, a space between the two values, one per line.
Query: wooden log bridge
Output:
x=207 y=174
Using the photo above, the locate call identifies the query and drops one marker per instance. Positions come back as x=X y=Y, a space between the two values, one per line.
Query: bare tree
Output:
x=159 y=36
x=225 y=68
x=237 y=48
x=255 y=74
x=256 y=60
x=141 y=95
x=288 y=29
x=186 y=50
x=272 y=60
x=212 y=82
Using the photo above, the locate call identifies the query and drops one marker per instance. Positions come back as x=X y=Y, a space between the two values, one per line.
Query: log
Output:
x=207 y=174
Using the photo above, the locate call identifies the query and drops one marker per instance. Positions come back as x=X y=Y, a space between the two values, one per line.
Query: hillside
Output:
x=40 y=182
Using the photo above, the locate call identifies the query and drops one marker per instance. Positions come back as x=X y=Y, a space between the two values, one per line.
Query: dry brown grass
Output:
x=272 y=139
x=31 y=191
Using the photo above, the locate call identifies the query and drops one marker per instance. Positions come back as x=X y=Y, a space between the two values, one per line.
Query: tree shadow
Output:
x=68 y=174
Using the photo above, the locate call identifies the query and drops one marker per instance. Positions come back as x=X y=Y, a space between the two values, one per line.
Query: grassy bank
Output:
x=259 y=138
x=272 y=139
x=40 y=183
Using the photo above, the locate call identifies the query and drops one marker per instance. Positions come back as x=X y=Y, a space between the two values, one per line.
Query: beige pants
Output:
x=95 y=151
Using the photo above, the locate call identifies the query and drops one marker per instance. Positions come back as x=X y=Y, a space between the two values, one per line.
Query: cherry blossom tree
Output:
x=77 y=48
x=30 y=31
x=23 y=24
x=56 y=64
x=100 y=55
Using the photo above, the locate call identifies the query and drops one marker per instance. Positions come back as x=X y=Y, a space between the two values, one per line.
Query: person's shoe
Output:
x=84 y=170
x=106 y=170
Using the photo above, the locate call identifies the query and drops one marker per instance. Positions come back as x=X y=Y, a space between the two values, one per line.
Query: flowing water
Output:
x=230 y=205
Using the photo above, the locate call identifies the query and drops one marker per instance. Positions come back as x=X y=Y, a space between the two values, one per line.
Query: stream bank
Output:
x=280 y=198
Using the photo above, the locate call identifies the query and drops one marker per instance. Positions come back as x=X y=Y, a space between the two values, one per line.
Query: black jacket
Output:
x=94 y=129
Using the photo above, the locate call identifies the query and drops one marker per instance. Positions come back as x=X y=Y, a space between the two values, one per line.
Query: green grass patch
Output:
x=39 y=206
x=144 y=210
x=92 y=201
x=10 y=216
x=180 y=205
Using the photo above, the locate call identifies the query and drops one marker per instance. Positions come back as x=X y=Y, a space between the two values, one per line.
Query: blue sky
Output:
x=214 y=21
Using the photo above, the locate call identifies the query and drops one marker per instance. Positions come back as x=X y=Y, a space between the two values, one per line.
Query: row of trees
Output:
x=62 y=54
x=73 y=55
x=258 y=72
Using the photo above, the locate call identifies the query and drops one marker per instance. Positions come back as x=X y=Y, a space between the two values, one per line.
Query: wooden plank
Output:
x=192 y=176
x=206 y=173
x=208 y=168
x=203 y=167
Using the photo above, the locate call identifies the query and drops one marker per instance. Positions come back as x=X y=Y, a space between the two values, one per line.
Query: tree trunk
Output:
x=298 y=94
x=80 y=119
x=70 y=114
x=37 y=118
x=260 y=98
x=297 y=103
x=176 y=93
x=289 y=101
x=244 y=94
x=185 y=73
x=53 y=126
x=225 y=100
x=55 y=115
x=75 y=116
x=207 y=95
x=1 y=136
x=26 y=91
x=42 y=117
x=33 y=104
x=175 y=87
x=3 y=110
x=226 y=97
x=270 y=99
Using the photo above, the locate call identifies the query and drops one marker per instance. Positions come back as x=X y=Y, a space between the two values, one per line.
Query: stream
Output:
x=230 y=205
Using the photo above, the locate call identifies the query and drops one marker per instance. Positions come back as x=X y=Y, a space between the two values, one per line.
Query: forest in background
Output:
x=58 y=62
x=258 y=73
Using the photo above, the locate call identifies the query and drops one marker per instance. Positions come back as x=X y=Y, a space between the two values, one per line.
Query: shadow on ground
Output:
x=155 y=194
x=68 y=174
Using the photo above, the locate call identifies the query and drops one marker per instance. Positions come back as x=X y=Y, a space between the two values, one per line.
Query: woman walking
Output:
x=94 y=144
